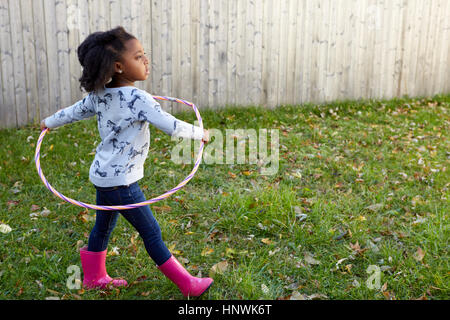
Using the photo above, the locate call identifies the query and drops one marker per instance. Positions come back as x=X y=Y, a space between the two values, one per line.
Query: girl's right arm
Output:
x=82 y=109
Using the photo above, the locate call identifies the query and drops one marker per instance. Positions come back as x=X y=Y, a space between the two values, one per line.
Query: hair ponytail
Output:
x=97 y=55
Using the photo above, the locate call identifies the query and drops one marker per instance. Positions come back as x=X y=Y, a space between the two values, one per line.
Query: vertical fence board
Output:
x=63 y=52
x=30 y=59
x=444 y=67
x=241 y=68
x=248 y=66
x=8 y=112
x=231 y=52
x=221 y=52
x=166 y=52
x=299 y=53
x=431 y=49
x=52 y=56
x=339 y=51
x=282 y=44
x=147 y=38
x=18 y=80
x=73 y=28
x=176 y=52
x=329 y=65
x=156 y=57
x=41 y=60
x=114 y=13
x=185 y=76
x=194 y=52
x=256 y=90
x=204 y=55
x=273 y=52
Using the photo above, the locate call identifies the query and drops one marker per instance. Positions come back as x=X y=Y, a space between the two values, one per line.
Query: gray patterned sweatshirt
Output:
x=123 y=115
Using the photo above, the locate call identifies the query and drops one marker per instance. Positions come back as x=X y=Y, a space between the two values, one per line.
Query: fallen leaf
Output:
x=79 y=245
x=297 y=174
x=12 y=203
x=309 y=259
x=53 y=292
x=45 y=212
x=17 y=187
x=422 y=297
x=297 y=296
x=173 y=250
x=207 y=251
x=183 y=260
x=4 y=228
x=232 y=175
x=229 y=252
x=375 y=207
x=388 y=295
x=317 y=296
x=418 y=256
x=113 y=252
x=293 y=286
x=266 y=241
x=357 y=249
x=218 y=268
x=271 y=253
x=164 y=208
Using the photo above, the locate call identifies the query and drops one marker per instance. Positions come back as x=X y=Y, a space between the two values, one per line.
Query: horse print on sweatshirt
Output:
x=123 y=115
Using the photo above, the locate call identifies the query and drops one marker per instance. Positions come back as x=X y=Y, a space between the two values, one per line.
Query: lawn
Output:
x=358 y=208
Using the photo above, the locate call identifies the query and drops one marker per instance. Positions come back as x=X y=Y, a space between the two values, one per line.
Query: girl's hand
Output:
x=205 y=138
x=43 y=126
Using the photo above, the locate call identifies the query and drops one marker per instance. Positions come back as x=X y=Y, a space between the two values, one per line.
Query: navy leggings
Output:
x=141 y=219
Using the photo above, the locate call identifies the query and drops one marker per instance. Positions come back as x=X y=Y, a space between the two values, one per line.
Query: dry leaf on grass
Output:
x=375 y=207
x=4 y=228
x=299 y=296
x=207 y=251
x=418 y=256
x=164 y=208
x=218 y=268
x=310 y=259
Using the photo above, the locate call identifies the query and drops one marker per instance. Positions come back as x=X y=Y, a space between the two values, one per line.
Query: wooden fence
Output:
x=229 y=52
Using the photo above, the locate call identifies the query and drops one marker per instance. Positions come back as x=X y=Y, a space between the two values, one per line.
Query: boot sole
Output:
x=202 y=292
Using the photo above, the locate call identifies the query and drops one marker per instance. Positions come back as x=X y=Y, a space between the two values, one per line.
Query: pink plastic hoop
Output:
x=128 y=206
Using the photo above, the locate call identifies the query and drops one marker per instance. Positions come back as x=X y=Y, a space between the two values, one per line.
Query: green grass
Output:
x=359 y=184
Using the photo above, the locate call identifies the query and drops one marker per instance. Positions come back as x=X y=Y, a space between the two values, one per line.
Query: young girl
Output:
x=112 y=62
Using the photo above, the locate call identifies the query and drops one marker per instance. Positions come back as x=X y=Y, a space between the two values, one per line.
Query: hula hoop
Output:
x=128 y=206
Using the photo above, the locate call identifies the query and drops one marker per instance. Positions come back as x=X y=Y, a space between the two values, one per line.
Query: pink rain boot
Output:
x=189 y=286
x=95 y=276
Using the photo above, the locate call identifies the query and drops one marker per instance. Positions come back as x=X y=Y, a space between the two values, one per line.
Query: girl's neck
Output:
x=117 y=83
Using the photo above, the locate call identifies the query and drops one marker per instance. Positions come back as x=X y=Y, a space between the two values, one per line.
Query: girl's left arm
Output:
x=167 y=123
x=82 y=109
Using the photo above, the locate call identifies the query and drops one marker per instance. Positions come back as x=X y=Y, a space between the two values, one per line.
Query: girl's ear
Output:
x=118 y=67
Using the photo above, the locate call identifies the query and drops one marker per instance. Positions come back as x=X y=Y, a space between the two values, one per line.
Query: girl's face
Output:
x=134 y=63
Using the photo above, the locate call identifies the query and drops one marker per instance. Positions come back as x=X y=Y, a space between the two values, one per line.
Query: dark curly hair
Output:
x=97 y=55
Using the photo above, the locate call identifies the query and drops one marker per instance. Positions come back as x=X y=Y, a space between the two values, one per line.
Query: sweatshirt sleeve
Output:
x=151 y=111
x=82 y=109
